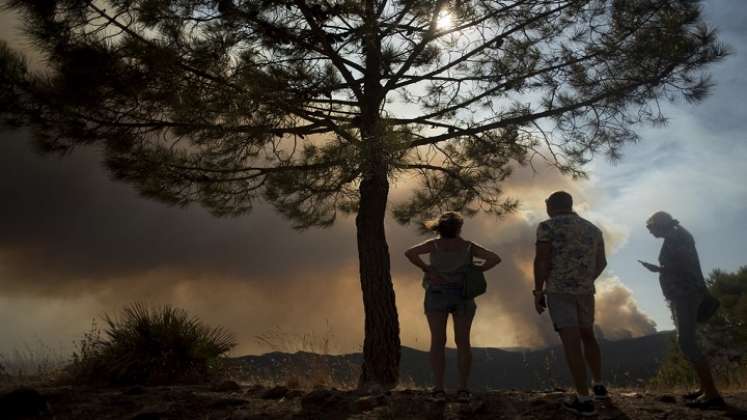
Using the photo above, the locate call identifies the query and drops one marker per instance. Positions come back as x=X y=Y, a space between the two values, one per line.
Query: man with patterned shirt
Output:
x=569 y=257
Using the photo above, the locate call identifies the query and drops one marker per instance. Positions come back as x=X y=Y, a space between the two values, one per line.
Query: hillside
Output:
x=626 y=363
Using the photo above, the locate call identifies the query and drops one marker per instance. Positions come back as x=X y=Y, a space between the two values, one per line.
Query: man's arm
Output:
x=542 y=260
x=542 y=266
x=601 y=262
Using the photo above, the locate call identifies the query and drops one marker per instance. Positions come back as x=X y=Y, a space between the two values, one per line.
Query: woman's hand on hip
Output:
x=435 y=278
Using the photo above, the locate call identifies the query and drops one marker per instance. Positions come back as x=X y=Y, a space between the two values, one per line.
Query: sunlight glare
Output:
x=444 y=20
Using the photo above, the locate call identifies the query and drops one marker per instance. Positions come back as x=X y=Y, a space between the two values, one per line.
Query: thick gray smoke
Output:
x=76 y=245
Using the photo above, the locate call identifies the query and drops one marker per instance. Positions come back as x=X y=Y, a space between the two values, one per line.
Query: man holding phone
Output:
x=569 y=257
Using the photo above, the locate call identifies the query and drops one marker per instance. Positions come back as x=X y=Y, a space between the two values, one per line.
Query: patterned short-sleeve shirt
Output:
x=575 y=242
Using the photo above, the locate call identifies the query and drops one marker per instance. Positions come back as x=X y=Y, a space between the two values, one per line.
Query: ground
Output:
x=229 y=401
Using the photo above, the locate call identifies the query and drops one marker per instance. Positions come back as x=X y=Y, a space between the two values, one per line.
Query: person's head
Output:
x=449 y=225
x=661 y=223
x=559 y=202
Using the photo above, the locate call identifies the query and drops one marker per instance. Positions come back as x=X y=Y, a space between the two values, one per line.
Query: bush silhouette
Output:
x=149 y=346
x=723 y=338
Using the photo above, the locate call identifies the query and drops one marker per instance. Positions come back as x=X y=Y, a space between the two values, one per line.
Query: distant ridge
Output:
x=626 y=362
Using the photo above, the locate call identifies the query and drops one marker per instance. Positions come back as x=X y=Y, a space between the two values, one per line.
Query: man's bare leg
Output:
x=571 y=339
x=707 y=384
x=592 y=354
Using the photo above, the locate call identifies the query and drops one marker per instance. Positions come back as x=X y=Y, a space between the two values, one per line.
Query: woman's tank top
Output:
x=446 y=263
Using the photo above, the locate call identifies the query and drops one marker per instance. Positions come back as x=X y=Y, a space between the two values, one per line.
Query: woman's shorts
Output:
x=449 y=302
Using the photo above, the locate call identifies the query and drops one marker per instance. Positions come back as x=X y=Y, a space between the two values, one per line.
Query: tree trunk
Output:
x=381 y=346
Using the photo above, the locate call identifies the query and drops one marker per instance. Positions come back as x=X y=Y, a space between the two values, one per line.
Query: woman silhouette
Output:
x=443 y=284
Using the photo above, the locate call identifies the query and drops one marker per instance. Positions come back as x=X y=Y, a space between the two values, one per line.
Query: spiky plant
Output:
x=150 y=346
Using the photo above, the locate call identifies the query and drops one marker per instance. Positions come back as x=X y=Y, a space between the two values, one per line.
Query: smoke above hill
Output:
x=76 y=245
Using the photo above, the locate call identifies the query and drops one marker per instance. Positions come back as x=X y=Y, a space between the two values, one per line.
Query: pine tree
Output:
x=317 y=106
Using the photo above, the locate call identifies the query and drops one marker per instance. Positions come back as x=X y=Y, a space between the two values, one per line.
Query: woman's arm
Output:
x=491 y=258
x=413 y=254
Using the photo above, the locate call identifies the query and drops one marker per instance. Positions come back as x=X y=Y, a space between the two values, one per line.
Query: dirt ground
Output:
x=229 y=401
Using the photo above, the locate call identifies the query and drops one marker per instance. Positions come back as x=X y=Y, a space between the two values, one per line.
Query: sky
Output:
x=75 y=245
x=694 y=168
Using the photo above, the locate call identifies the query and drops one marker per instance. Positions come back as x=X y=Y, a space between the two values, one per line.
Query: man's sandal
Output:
x=702 y=403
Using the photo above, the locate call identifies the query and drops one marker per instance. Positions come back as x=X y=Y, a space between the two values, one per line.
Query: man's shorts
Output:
x=567 y=310
x=449 y=302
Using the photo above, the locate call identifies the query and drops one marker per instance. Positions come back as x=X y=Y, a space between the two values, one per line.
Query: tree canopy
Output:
x=222 y=102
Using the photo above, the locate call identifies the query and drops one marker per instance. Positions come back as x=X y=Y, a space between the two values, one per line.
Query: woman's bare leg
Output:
x=462 y=326
x=437 y=325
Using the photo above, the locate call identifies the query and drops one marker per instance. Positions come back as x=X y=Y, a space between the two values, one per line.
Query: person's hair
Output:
x=560 y=200
x=662 y=219
x=448 y=225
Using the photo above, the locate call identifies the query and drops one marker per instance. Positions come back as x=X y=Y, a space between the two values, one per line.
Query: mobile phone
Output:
x=649 y=265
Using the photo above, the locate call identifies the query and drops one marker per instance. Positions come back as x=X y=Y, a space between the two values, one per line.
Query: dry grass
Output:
x=317 y=372
x=32 y=364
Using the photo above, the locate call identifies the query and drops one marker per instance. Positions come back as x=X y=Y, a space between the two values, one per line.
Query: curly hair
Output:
x=448 y=225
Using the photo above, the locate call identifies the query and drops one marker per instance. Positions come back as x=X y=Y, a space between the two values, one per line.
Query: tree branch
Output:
x=523 y=119
x=419 y=47
x=329 y=51
x=519 y=27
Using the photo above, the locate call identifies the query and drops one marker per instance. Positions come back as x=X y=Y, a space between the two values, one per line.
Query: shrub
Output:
x=149 y=346
x=675 y=371
x=723 y=338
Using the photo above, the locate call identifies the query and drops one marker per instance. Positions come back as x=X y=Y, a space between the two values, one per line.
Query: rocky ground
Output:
x=229 y=401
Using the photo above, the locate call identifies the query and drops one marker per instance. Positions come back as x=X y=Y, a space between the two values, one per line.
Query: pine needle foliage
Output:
x=150 y=346
x=228 y=101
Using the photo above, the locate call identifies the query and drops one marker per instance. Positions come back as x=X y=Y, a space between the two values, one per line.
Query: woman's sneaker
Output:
x=600 y=392
x=580 y=408
x=692 y=396
x=703 y=403
x=464 y=396
x=438 y=396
